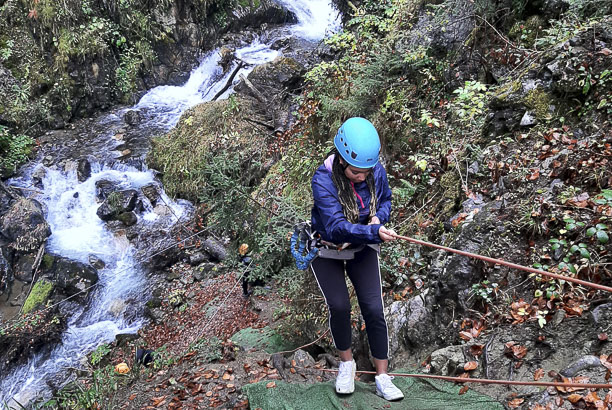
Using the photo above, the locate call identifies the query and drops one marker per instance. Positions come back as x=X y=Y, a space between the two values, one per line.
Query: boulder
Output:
x=104 y=187
x=152 y=192
x=448 y=361
x=24 y=225
x=72 y=277
x=96 y=262
x=117 y=203
x=215 y=249
x=402 y=319
x=83 y=170
x=132 y=117
x=279 y=74
x=6 y=270
x=127 y=218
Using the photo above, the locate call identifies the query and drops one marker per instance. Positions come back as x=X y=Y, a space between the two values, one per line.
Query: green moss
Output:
x=47 y=261
x=538 y=101
x=38 y=296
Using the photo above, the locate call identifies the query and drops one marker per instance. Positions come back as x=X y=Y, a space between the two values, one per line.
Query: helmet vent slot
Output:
x=353 y=154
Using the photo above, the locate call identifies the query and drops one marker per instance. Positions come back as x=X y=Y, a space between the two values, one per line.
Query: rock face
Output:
x=70 y=277
x=24 y=226
x=117 y=203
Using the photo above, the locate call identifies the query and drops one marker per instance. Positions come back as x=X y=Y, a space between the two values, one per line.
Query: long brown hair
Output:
x=347 y=195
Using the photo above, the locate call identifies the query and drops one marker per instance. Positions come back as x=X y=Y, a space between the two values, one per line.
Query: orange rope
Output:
x=485 y=381
x=509 y=264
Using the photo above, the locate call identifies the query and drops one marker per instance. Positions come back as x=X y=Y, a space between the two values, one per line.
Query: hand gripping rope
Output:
x=304 y=234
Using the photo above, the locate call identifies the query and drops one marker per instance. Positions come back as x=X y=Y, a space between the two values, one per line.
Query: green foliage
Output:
x=485 y=291
x=210 y=350
x=132 y=61
x=99 y=354
x=14 y=150
x=469 y=105
x=38 y=296
x=96 y=393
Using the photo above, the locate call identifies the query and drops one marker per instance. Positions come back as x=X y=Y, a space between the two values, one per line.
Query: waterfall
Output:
x=77 y=232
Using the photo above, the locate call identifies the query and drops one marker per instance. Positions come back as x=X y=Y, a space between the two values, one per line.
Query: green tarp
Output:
x=420 y=394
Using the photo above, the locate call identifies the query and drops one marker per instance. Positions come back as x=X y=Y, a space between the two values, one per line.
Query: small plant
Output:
x=581 y=248
x=598 y=231
x=99 y=354
x=485 y=290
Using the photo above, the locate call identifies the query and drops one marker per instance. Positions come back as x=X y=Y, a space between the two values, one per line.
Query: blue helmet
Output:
x=358 y=143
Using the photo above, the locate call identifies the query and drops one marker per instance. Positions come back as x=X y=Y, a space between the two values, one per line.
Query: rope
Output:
x=481 y=381
x=508 y=264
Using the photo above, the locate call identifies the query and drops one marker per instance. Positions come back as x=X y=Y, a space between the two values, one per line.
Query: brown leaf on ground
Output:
x=470 y=366
x=574 y=398
x=515 y=403
x=539 y=373
x=465 y=335
x=476 y=350
x=271 y=385
x=602 y=336
x=464 y=390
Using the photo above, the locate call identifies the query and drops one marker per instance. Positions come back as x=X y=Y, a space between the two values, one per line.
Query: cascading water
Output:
x=77 y=232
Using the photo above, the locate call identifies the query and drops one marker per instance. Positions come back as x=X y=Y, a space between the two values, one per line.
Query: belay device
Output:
x=304 y=238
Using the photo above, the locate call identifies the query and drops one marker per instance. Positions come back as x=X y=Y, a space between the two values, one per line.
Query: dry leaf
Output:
x=209 y=394
x=539 y=373
x=513 y=404
x=464 y=390
x=476 y=350
x=470 y=366
x=271 y=385
x=574 y=398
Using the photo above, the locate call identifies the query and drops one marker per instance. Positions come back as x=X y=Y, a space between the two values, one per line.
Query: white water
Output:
x=77 y=232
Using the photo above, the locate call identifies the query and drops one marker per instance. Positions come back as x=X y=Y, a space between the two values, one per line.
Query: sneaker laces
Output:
x=345 y=371
x=385 y=382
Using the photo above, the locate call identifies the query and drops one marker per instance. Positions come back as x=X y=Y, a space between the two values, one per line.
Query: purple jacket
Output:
x=328 y=218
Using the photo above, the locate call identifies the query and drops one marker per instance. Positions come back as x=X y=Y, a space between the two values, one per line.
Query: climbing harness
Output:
x=305 y=251
x=307 y=244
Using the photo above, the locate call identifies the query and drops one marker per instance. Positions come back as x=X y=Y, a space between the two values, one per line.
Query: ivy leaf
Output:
x=590 y=232
x=584 y=253
x=602 y=237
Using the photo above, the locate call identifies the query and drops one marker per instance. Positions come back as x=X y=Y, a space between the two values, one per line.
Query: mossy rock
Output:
x=539 y=101
x=38 y=296
x=262 y=339
x=47 y=261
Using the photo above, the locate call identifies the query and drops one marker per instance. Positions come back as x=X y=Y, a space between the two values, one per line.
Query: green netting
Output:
x=420 y=394
x=262 y=339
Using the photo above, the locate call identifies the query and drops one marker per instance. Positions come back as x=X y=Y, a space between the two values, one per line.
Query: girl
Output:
x=352 y=201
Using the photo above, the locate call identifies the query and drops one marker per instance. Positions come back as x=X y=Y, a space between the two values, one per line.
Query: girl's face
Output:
x=356 y=175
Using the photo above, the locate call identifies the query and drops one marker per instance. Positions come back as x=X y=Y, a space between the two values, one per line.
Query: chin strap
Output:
x=303 y=236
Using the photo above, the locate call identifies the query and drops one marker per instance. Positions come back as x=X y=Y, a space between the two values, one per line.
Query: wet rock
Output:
x=448 y=360
x=96 y=262
x=215 y=249
x=117 y=307
x=6 y=270
x=132 y=117
x=117 y=203
x=281 y=73
x=24 y=225
x=162 y=210
x=128 y=218
x=23 y=267
x=152 y=192
x=72 y=277
x=257 y=13
x=83 y=170
x=172 y=276
x=104 y=188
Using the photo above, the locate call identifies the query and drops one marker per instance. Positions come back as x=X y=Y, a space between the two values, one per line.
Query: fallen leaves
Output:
x=539 y=373
x=515 y=350
x=470 y=366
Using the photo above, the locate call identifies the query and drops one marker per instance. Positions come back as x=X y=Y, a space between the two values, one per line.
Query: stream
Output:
x=116 y=303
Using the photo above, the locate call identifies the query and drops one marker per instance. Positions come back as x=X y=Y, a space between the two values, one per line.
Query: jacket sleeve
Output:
x=336 y=225
x=384 y=200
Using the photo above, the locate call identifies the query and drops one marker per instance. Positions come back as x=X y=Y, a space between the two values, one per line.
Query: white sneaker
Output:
x=345 y=381
x=386 y=389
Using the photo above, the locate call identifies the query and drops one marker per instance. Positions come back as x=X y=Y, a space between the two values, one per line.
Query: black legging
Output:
x=364 y=273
